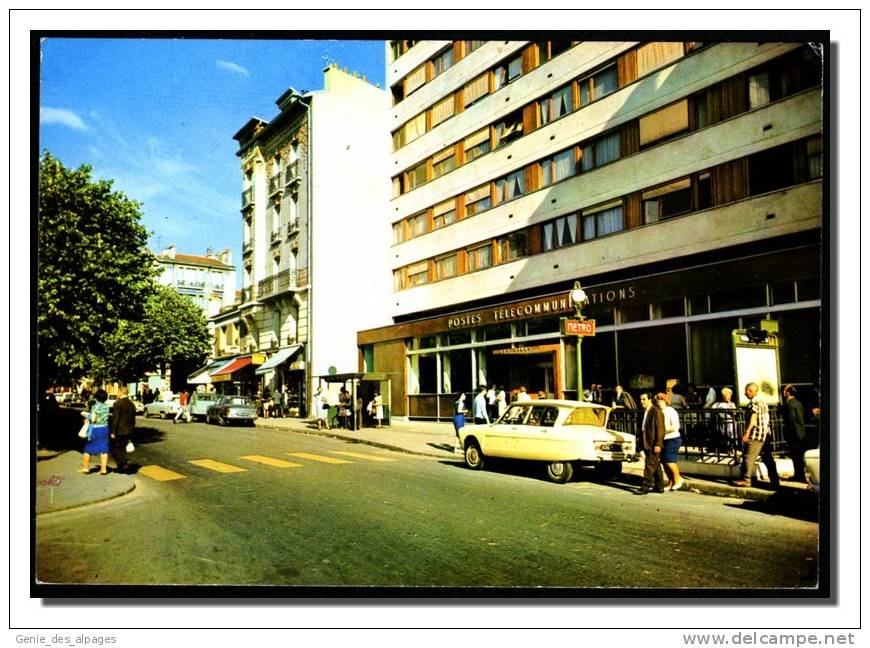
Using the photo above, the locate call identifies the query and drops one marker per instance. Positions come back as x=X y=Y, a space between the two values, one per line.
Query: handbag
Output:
x=83 y=433
x=130 y=447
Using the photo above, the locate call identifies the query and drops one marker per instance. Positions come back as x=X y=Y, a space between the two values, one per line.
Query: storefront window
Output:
x=669 y=308
x=783 y=292
x=542 y=325
x=808 y=289
x=457 y=371
x=495 y=332
x=700 y=304
x=738 y=298
x=456 y=337
x=428 y=342
x=712 y=352
x=634 y=313
x=427 y=374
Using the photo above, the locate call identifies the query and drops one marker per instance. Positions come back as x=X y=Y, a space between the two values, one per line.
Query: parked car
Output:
x=560 y=433
x=162 y=408
x=140 y=408
x=228 y=409
x=811 y=464
x=200 y=402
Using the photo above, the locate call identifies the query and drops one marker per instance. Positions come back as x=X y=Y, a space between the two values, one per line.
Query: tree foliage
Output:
x=172 y=331
x=93 y=268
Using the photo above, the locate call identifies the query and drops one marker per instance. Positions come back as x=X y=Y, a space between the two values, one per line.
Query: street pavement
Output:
x=59 y=486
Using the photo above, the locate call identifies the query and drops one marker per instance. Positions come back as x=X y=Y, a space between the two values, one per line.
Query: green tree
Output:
x=172 y=332
x=93 y=268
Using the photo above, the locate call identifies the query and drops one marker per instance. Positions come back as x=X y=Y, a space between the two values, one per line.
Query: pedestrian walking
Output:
x=671 y=443
x=459 y=412
x=321 y=403
x=121 y=429
x=479 y=407
x=756 y=440
x=98 y=434
x=183 y=410
x=651 y=439
x=795 y=431
x=501 y=400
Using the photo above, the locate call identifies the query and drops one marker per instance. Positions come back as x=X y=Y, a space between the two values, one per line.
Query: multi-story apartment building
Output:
x=679 y=182
x=313 y=198
x=209 y=281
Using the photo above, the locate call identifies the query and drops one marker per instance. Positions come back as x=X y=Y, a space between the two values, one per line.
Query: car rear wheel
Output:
x=608 y=470
x=559 y=471
x=163 y=415
x=473 y=456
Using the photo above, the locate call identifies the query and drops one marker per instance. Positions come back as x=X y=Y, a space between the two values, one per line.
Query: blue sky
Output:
x=158 y=116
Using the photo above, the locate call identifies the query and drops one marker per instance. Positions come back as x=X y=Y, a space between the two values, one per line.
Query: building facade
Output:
x=209 y=281
x=679 y=182
x=311 y=205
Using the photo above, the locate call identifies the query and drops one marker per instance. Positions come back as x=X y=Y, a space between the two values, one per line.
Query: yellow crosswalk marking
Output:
x=360 y=455
x=160 y=474
x=314 y=457
x=269 y=461
x=217 y=466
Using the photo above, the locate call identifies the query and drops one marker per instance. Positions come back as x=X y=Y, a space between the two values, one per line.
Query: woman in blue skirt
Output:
x=98 y=434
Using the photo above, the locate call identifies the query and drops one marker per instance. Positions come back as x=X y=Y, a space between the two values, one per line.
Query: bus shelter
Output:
x=362 y=388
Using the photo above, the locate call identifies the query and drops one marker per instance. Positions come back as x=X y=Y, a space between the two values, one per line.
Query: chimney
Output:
x=169 y=251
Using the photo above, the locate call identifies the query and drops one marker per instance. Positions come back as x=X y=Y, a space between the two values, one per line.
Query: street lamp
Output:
x=578 y=298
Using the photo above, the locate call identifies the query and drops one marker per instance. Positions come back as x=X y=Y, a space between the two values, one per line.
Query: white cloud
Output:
x=232 y=67
x=61 y=116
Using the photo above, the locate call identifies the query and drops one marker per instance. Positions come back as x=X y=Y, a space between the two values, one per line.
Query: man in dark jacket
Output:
x=121 y=429
x=652 y=438
x=795 y=431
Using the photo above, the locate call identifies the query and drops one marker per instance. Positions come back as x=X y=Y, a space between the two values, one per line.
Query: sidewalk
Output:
x=435 y=439
x=60 y=486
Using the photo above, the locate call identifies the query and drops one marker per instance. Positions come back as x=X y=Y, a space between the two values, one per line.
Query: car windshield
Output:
x=205 y=397
x=596 y=416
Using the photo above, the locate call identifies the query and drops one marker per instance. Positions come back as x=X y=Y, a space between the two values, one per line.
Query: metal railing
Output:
x=275 y=185
x=248 y=294
x=275 y=235
x=708 y=432
x=291 y=173
x=247 y=197
x=278 y=283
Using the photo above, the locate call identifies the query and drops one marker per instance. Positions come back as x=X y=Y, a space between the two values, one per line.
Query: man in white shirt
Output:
x=480 y=414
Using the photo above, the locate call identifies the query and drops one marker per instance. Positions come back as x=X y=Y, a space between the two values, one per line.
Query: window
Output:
x=814 y=158
x=771 y=170
x=475 y=90
x=603 y=220
x=415 y=128
x=559 y=233
x=556 y=105
x=509 y=129
x=417 y=225
x=655 y=55
x=444 y=214
x=705 y=191
x=547 y=50
x=443 y=162
x=601 y=151
x=276 y=264
x=445 y=267
x=442 y=110
x=759 y=89
x=418 y=274
x=560 y=166
x=478 y=200
x=666 y=201
x=513 y=246
x=399 y=232
x=508 y=72
x=442 y=62
x=480 y=257
x=415 y=176
x=510 y=187
x=665 y=123
x=415 y=79
x=471 y=45
x=598 y=85
x=476 y=145
x=397 y=186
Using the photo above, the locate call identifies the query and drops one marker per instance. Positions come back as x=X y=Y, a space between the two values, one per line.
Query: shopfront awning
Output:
x=226 y=371
x=203 y=376
x=279 y=358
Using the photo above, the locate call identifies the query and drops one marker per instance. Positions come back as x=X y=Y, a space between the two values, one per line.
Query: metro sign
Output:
x=578 y=327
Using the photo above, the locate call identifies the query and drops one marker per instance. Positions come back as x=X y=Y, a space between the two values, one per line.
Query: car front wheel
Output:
x=559 y=471
x=473 y=456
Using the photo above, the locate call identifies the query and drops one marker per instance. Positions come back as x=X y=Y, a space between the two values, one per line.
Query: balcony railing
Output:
x=248 y=294
x=291 y=173
x=247 y=197
x=275 y=236
x=292 y=229
x=284 y=281
x=275 y=185
x=247 y=246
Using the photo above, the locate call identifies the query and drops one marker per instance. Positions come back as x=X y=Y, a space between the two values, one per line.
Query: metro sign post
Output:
x=579 y=326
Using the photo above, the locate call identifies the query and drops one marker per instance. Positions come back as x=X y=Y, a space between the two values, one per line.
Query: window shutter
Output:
x=442 y=110
x=530 y=117
x=730 y=182
x=415 y=128
x=665 y=122
x=626 y=68
x=477 y=194
x=475 y=90
x=632 y=208
x=443 y=208
x=415 y=79
x=630 y=138
x=443 y=155
x=655 y=55
x=476 y=138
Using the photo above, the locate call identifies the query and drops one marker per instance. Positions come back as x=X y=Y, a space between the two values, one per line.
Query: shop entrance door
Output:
x=537 y=367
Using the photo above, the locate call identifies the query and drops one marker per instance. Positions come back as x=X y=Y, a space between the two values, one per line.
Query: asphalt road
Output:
x=336 y=513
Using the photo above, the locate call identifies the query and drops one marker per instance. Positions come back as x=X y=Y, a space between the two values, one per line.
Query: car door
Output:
x=500 y=439
x=534 y=439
